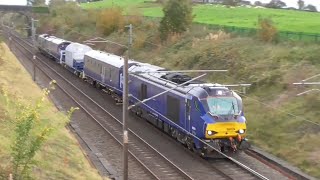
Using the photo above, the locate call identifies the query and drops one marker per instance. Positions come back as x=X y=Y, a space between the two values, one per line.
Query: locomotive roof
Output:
x=170 y=80
x=55 y=40
x=144 y=68
x=43 y=35
x=77 y=47
x=114 y=60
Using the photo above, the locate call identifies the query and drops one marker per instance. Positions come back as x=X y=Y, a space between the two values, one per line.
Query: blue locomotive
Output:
x=53 y=47
x=192 y=113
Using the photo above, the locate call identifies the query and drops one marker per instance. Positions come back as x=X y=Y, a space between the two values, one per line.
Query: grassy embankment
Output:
x=285 y=20
x=271 y=68
x=60 y=157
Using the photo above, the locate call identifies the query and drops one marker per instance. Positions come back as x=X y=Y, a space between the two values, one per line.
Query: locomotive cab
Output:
x=223 y=118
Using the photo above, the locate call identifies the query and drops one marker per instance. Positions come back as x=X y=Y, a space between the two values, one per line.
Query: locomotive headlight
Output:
x=209 y=132
x=241 y=131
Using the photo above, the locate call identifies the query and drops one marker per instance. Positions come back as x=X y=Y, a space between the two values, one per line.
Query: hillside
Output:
x=278 y=120
x=60 y=157
x=285 y=20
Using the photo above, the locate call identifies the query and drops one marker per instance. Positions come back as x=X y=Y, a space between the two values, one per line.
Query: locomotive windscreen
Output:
x=223 y=105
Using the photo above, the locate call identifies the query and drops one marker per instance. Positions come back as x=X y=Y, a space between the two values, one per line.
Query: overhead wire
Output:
x=285 y=112
x=263 y=103
x=249 y=97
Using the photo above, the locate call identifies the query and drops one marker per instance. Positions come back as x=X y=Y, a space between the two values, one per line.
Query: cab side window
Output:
x=196 y=105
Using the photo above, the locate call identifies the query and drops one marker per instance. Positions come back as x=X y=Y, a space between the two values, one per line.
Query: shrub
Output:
x=28 y=139
x=267 y=31
x=177 y=18
x=109 y=21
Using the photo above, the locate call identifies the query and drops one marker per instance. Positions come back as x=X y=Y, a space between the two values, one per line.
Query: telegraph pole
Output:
x=125 y=97
x=33 y=36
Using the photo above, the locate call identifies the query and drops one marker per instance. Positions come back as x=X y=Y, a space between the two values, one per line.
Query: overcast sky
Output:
x=290 y=3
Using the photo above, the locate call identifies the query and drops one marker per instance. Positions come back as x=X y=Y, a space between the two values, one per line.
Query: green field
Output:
x=285 y=20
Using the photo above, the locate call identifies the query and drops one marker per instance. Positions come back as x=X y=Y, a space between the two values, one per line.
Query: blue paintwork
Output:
x=199 y=118
x=78 y=66
x=97 y=77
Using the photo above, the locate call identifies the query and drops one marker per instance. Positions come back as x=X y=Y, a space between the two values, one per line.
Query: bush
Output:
x=109 y=21
x=267 y=31
x=177 y=18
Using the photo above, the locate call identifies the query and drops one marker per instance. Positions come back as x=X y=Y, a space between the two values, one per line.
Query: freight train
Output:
x=199 y=115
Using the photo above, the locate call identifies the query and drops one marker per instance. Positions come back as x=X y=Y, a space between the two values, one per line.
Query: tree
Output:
x=300 y=4
x=277 y=4
x=177 y=17
x=55 y=3
x=39 y=2
x=110 y=20
x=311 y=8
x=258 y=3
x=231 y=2
x=29 y=2
x=267 y=31
x=248 y=3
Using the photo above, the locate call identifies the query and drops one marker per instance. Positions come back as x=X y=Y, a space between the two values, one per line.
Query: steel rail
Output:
x=227 y=157
x=97 y=121
x=186 y=176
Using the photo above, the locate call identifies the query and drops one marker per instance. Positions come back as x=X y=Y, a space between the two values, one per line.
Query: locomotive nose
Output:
x=225 y=130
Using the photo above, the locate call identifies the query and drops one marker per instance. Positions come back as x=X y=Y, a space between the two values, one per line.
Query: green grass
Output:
x=110 y=3
x=271 y=68
x=60 y=157
x=285 y=20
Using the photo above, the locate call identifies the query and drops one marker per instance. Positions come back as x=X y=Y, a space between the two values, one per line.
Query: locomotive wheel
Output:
x=222 y=149
x=190 y=144
x=173 y=133
x=98 y=86
x=139 y=113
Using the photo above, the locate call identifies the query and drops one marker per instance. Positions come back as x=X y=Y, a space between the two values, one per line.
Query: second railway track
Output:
x=152 y=160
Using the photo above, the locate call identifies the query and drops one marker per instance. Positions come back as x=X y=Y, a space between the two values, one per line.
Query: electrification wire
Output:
x=298 y=117
x=285 y=112
x=265 y=104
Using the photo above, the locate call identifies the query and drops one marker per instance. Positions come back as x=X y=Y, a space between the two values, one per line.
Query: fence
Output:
x=283 y=35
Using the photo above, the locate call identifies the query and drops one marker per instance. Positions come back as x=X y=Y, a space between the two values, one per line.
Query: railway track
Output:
x=153 y=161
x=158 y=166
